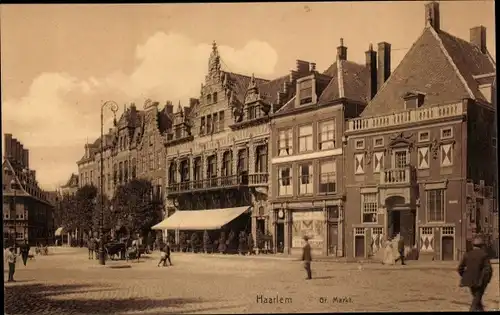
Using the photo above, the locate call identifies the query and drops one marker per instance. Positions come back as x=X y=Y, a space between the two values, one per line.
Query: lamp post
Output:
x=114 y=108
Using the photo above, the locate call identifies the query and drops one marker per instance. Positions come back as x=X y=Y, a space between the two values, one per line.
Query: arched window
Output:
x=215 y=97
x=171 y=173
x=227 y=169
x=134 y=171
x=209 y=99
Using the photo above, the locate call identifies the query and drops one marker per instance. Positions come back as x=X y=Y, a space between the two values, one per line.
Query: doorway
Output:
x=333 y=239
x=447 y=248
x=394 y=222
x=280 y=237
x=359 y=246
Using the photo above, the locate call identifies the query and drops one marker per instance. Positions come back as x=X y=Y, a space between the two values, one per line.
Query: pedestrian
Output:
x=401 y=249
x=306 y=257
x=25 y=250
x=11 y=259
x=90 y=244
x=476 y=273
x=167 y=251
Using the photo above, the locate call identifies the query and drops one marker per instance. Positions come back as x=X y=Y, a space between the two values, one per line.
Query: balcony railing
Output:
x=397 y=176
x=219 y=183
x=406 y=117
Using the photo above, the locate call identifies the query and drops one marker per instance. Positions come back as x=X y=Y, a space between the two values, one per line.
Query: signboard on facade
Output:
x=310 y=223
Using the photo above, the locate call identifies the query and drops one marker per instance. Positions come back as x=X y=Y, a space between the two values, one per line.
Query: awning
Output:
x=59 y=231
x=200 y=219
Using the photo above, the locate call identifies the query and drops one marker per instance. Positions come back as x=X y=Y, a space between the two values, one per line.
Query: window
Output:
x=423 y=136
x=209 y=124
x=400 y=159
x=261 y=166
x=209 y=99
x=202 y=126
x=285 y=143
x=327 y=177
x=212 y=166
x=305 y=179
x=226 y=164
x=326 y=135
x=435 y=205
x=215 y=122
x=333 y=212
x=369 y=207
x=378 y=142
x=306 y=91
x=197 y=169
x=151 y=161
x=305 y=138
x=221 y=120
x=242 y=161
x=126 y=170
x=446 y=133
x=360 y=144
x=185 y=171
x=215 y=97
x=171 y=173
x=285 y=181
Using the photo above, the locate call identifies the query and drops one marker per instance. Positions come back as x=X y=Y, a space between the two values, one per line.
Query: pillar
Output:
x=176 y=236
x=254 y=230
x=204 y=166
x=251 y=157
x=220 y=154
x=326 y=237
x=273 y=216
x=191 y=167
x=288 y=238
x=177 y=171
x=340 y=248
x=235 y=160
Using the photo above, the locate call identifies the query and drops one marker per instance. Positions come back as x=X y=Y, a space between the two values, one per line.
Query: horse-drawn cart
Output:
x=115 y=249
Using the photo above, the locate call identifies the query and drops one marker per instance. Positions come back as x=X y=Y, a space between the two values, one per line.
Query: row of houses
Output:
x=350 y=155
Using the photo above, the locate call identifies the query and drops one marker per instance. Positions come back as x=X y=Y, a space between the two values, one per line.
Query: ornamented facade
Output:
x=420 y=160
x=134 y=148
x=217 y=152
x=27 y=212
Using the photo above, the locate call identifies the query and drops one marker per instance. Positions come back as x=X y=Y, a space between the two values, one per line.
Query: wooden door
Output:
x=333 y=239
x=447 y=248
x=359 y=246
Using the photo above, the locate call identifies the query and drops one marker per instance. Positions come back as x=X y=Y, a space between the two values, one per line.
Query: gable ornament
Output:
x=368 y=154
x=434 y=149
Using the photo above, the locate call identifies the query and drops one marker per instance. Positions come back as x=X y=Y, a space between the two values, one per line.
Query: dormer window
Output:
x=305 y=91
x=413 y=100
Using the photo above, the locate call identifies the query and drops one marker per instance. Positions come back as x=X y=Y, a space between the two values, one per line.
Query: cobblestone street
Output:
x=66 y=282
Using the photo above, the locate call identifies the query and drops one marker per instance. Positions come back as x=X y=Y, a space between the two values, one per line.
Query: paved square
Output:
x=66 y=282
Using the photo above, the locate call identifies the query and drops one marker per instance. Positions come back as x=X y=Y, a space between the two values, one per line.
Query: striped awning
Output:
x=200 y=219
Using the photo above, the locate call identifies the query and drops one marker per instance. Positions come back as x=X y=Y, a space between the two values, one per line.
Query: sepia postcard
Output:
x=232 y=158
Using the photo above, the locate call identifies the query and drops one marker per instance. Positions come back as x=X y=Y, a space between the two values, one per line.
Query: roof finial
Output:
x=214 y=46
x=341 y=41
x=429 y=18
x=370 y=47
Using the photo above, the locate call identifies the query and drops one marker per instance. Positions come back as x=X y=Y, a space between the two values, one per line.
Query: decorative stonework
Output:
x=359 y=163
x=434 y=149
x=446 y=154
x=423 y=158
x=378 y=161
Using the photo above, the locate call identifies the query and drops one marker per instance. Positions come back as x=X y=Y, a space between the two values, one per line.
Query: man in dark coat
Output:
x=25 y=250
x=476 y=272
x=306 y=257
x=401 y=250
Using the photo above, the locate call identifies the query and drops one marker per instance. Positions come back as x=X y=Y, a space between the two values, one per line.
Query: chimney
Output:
x=432 y=15
x=15 y=149
x=384 y=63
x=26 y=158
x=7 y=138
x=313 y=67
x=371 y=65
x=293 y=75
x=341 y=51
x=478 y=37
x=285 y=88
x=170 y=108
x=21 y=154
x=133 y=107
x=302 y=67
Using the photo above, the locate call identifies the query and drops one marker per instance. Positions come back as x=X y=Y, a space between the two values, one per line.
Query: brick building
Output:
x=27 y=212
x=307 y=162
x=420 y=160
x=217 y=153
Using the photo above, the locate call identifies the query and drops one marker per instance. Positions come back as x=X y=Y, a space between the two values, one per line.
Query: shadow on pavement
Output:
x=38 y=298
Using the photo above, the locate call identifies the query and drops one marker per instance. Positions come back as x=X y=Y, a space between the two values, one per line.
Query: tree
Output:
x=85 y=207
x=135 y=208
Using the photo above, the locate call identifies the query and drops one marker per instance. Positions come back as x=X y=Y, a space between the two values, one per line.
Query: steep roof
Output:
x=240 y=82
x=439 y=65
x=72 y=181
x=269 y=90
x=349 y=80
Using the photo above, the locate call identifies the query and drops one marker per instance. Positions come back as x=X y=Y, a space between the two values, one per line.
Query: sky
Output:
x=59 y=62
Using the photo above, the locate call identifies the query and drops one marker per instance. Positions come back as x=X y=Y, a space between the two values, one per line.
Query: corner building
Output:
x=217 y=154
x=420 y=160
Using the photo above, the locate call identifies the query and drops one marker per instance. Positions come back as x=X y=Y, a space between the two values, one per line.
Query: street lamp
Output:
x=114 y=108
